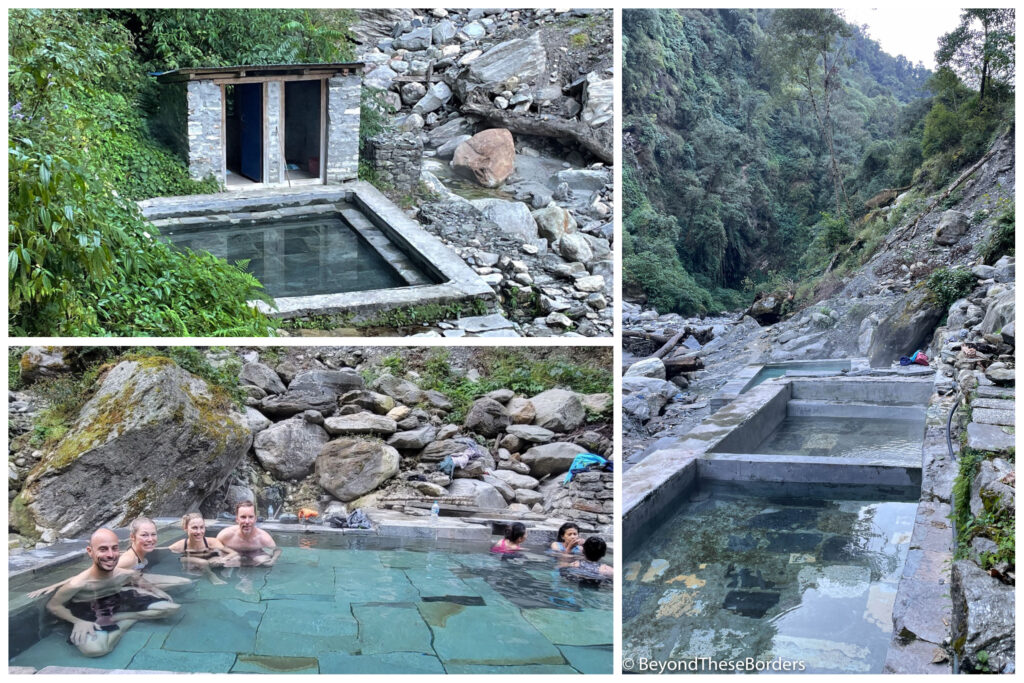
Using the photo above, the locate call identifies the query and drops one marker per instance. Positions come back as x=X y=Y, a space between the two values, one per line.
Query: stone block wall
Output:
x=397 y=159
x=589 y=497
x=205 y=130
x=343 y=93
x=275 y=132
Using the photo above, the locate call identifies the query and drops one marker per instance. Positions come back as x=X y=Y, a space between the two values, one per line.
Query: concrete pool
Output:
x=727 y=524
x=342 y=603
x=322 y=250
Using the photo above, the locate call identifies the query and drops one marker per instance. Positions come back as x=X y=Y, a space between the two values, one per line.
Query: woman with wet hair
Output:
x=515 y=535
x=200 y=553
x=142 y=542
x=568 y=541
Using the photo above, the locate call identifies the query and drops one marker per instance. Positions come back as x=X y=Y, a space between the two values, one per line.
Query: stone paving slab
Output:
x=170 y=660
x=994 y=392
x=306 y=629
x=395 y=663
x=991 y=416
x=385 y=629
x=986 y=437
x=589 y=660
x=256 y=664
x=915 y=657
x=995 y=403
x=563 y=627
x=381 y=585
x=512 y=640
x=219 y=626
x=55 y=648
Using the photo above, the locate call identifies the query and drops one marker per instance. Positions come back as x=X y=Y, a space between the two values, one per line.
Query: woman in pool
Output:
x=515 y=534
x=201 y=553
x=142 y=540
x=568 y=541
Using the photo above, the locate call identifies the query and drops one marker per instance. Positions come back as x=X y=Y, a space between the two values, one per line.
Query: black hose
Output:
x=952 y=495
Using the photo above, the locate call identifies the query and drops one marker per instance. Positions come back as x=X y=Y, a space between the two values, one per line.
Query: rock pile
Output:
x=498 y=93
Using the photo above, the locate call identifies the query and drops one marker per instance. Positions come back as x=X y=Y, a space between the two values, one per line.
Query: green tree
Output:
x=981 y=48
x=808 y=46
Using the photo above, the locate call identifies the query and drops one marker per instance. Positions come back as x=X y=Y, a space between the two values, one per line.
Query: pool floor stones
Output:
x=372 y=615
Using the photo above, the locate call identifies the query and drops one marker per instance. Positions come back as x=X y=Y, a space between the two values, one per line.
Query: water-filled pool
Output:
x=319 y=254
x=349 y=604
x=801 y=368
x=802 y=574
x=850 y=437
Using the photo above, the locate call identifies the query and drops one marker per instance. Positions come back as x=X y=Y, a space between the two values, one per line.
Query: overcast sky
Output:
x=909 y=31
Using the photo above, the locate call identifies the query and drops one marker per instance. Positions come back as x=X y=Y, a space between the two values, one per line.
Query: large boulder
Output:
x=259 y=375
x=43 y=361
x=553 y=222
x=481 y=494
x=644 y=397
x=516 y=480
x=289 y=449
x=551 y=458
x=397 y=388
x=521 y=411
x=335 y=381
x=512 y=217
x=648 y=367
x=154 y=439
x=952 y=227
x=523 y=58
x=437 y=96
x=381 y=404
x=983 y=624
x=558 y=410
x=413 y=438
x=487 y=417
x=598 y=100
x=1000 y=313
x=348 y=468
x=489 y=157
x=768 y=310
x=906 y=329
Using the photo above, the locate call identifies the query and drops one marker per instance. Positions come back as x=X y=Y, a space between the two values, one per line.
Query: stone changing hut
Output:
x=280 y=124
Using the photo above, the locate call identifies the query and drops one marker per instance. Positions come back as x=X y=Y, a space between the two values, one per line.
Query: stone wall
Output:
x=589 y=497
x=275 y=132
x=205 y=130
x=397 y=159
x=343 y=93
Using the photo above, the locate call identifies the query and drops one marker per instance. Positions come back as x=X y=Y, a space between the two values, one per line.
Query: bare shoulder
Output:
x=267 y=540
x=178 y=546
x=226 y=533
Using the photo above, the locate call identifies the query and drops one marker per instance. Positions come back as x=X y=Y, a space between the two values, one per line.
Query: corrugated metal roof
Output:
x=252 y=71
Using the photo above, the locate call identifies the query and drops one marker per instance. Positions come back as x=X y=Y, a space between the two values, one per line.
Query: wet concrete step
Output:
x=385 y=247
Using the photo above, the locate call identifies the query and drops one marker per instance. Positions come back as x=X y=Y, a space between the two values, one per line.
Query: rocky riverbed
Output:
x=334 y=429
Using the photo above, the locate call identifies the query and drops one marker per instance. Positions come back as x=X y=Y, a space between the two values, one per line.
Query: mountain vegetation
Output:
x=758 y=142
x=81 y=260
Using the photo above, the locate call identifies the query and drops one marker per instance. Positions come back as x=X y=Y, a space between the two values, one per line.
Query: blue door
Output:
x=249 y=100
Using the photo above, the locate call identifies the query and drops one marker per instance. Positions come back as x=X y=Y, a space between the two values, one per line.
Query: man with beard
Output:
x=249 y=542
x=104 y=601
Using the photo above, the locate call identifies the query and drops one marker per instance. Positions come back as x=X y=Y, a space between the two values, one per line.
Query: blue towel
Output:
x=582 y=463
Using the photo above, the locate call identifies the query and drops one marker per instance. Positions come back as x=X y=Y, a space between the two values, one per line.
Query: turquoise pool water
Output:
x=772 y=371
x=299 y=257
x=770 y=572
x=850 y=437
x=356 y=605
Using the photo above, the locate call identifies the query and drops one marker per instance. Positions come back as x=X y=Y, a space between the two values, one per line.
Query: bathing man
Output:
x=249 y=542
x=104 y=601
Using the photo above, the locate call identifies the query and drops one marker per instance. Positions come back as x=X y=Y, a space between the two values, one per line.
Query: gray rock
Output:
x=474 y=31
x=648 y=367
x=512 y=217
x=38 y=362
x=437 y=96
x=553 y=222
x=348 y=468
x=255 y=420
x=1005 y=269
x=414 y=438
x=598 y=98
x=457 y=127
x=437 y=450
x=990 y=438
x=527 y=497
x=574 y=247
x=412 y=93
x=558 y=410
x=238 y=494
x=983 y=619
x=1000 y=313
x=551 y=458
x=335 y=381
x=294 y=402
x=486 y=417
x=952 y=227
x=502 y=396
x=1000 y=376
x=516 y=480
x=259 y=375
x=644 y=397
x=154 y=439
x=524 y=58
x=482 y=494
x=447 y=149
x=438 y=400
x=530 y=433
x=380 y=404
x=506 y=491
x=905 y=329
x=521 y=411
x=289 y=449
x=381 y=78
x=396 y=388
x=429 y=489
x=989 y=492
x=360 y=423
x=417 y=39
x=443 y=32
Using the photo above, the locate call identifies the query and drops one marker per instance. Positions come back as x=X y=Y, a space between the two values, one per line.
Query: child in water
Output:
x=591 y=569
x=515 y=534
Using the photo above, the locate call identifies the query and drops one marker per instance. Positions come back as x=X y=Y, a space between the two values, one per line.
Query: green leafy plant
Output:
x=946 y=285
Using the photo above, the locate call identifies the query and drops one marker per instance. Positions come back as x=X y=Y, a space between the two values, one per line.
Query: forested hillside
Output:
x=753 y=140
x=81 y=261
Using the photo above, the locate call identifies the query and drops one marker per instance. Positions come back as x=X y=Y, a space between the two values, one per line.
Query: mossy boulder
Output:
x=154 y=440
x=906 y=329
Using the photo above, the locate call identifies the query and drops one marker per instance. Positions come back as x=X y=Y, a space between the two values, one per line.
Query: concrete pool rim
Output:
x=458 y=282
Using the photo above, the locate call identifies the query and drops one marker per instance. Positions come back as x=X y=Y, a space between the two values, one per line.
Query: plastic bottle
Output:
x=270 y=512
x=435 y=511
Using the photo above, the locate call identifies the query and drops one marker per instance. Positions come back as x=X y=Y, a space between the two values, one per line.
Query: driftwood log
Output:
x=598 y=141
